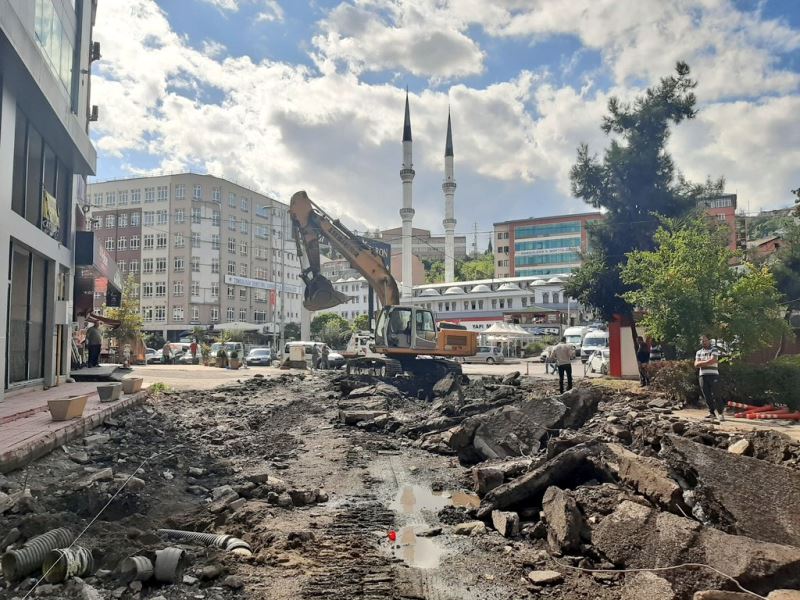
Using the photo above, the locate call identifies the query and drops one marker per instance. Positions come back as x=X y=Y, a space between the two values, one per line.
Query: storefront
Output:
x=95 y=273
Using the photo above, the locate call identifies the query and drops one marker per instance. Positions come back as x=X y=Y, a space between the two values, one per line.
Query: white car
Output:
x=486 y=354
x=599 y=361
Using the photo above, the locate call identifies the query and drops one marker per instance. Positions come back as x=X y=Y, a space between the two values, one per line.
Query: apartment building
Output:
x=203 y=251
x=541 y=247
x=424 y=245
x=722 y=209
x=45 y=155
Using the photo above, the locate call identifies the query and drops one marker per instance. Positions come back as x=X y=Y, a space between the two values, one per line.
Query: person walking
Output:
x=193 y=350
x=643 y=359
x=561 y=355
x=324 y=359
x=166 y=354
x=707 y=360
x=94 y=342
x=314 y=357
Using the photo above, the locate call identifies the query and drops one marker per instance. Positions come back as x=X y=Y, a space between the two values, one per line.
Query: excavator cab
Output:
x=408 y=329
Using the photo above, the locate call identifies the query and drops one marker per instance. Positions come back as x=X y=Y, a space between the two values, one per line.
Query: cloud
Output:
x=271 y=11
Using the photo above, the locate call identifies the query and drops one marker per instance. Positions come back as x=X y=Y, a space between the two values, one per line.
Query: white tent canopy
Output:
x=237 y=326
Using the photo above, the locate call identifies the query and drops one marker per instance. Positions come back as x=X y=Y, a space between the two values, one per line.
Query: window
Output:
x=136 y=196
x=231 y=293
x=215 y=265
x=232 y=223
x=136 y=219
x=109 y=221
x=180 y=241
x=122 y=198
x=160 y=288
x=121 y=266
x=149 y=218
x=196 y=216
x=97 y=201
x=215 y=218
x=244 y=226
x=195 y=288
x=261 y=252
x=147 y=313
x=147 y=265
x=215 y=289
x=215 y=241
x=214 y=314
x=134 y=242
x=147 y=289
x=243 y=248
x=133 y=267
x=243 y=314
x=232 y=245
x=122 y=220
x=231 y=267
x=111 y=198
x=261 y=273
x=180 y=192
x=161 y=241
x=122 y=243
x=232 y=200
x=245 y=204
x=243 y=269
x=148 y=240
x=149 y=195
x=195 y=264
x=178 y=264
x=242 y=293
x=109 y=243
x=162 y=193
x=197 y=192
x=180 y=216
x=160 y=313
x=195 y=314
x=260 y=316
x=161 y=264
x=195 y=239
x=546 y=298
x=260 y=231
x=216 y=194
x=177 y=288
x=229 y=314
x=163 y=219
x=177 y=313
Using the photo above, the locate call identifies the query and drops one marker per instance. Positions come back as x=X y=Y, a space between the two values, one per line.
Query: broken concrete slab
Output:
x=545 y=577
x=563 y=519
x=352 y=417
x=506 y=523
x=740 y=447
x=470 y=528
x=446 y=385
x=581 y=403
x=721 y=595
x=646 y=585
x=646 y=475
x=784 y=595
x=485 y=479
x=738 y=492
x=636 y=536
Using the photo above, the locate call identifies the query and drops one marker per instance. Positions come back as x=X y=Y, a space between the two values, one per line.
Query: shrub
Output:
x=676 y=378
x=534 y=349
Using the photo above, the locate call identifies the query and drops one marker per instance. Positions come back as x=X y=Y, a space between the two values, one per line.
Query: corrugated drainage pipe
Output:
x=19 y=563
x=226 y=542
x=135 y=568
x=62 y=563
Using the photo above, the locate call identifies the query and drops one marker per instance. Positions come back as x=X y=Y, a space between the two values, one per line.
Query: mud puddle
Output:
x=412 y=498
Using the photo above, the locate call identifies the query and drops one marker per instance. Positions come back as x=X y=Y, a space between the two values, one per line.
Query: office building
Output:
x=45 y=155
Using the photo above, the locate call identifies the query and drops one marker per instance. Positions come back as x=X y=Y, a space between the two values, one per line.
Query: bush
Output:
x=774 y=382
x=534 y=348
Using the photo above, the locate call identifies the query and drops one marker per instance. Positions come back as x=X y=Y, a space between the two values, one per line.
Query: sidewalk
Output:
x=27 y=432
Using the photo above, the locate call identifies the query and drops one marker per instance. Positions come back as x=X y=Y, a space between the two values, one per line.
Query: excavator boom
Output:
x=309 y=223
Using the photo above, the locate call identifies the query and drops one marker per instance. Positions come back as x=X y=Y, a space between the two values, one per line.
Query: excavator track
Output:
x=376 y=366
x=422 y=372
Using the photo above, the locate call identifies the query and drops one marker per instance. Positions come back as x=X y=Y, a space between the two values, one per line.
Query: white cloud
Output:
x=271 y=11
x=231 y=5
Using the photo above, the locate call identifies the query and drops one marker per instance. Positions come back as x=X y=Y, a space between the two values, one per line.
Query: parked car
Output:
x=486 y=354
x=599 y=361
x=155 y=357
x=259 y=357
x=545 y=353
x=336 y=360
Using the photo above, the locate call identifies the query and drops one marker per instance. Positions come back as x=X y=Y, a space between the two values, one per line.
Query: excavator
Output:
x=407 y=339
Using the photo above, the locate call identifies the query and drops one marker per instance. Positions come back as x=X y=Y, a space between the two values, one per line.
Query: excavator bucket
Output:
x=320 y=294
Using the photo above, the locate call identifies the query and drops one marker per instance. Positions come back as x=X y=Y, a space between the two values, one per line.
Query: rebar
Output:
x=19 y=563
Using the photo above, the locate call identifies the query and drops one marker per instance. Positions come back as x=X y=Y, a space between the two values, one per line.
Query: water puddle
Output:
x=419 y=552
x=412 y=498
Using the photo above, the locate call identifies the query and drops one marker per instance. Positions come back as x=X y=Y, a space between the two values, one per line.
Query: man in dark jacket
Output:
x=94 y=342
x=643 y=359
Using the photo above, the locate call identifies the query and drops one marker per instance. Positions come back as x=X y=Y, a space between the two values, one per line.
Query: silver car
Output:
x=486 y=354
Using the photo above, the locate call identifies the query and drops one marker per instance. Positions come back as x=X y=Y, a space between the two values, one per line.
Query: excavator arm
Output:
x=309 y=223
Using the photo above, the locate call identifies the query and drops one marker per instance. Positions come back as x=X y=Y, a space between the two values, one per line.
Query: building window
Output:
x=196 y=216
x=195 y=264
x=180 y=216
x=136 y=196
x=216 y=194
x=147 y=313
x=195 y=239
x=109 y=221
x=160 y=314
x=178 y=264
x=147 y=289
x=260 y=316
x=136 y=219
x=149 y=195
x=134 y=267
x=195 y=288
x=231 y=267
x=121 y=266
x=180 y=242
x=149 y=218
x=97 y=223
x=177 y=313
x=197 y=192
x=163 y=193
x=163 y=219
x=111 y=199
x=243 y=314
x=148 y=241
x=160 y=288
x=215 y=289
x=161 y=264
x=134 y=242
x=177 y=288
x=122 y=220
x=54 y=42
x=215 y=218
x=232 y=200
x=215 y=241
x=232 y=223
x=180 y=192
x=229 y=314
x=161 y=241
x=244 y=226
x=122 y=243
x=122 y=198
x=232 y=245
x=243 y=270
x=215 y=265
x=214 y=314
x=231 y=292
x=195 y=314
x=147 y=265
x=243 y=248
x=109 y=243
x=245 y=204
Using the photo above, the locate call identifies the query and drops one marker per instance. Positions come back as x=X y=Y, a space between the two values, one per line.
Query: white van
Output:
x=595 y=339
x=575 y=335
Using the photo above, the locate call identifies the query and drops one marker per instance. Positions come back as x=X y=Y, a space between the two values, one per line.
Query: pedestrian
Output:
x=166 y=354
x=324 y=359
x=314 y=357
x=707 y=360
x=643 y=359
x=193 y=350
x=94 y=342
x=561 y=355
x=656 y=353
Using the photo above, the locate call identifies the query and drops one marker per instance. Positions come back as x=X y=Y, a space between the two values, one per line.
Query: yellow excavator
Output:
x=407 y=339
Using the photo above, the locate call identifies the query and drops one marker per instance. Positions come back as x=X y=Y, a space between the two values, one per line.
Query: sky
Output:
x=283 y=95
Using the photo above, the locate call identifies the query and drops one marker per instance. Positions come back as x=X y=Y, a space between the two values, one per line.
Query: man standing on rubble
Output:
x=707 y=360
x=561 y=355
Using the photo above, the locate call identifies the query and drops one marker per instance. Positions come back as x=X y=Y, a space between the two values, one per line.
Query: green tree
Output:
x=322 y=320
x=434 y=271
x=686 y=287
x=481 y=267
x=291 y=331
x=361 y=323
x=635 y=182
x=199 y=334
x=129 y=316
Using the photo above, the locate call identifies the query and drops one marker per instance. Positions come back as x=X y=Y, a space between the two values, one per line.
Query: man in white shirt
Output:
x=561 y=355
x=707 y=360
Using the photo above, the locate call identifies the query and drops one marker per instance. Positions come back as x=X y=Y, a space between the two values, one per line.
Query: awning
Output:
x=89 y=252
